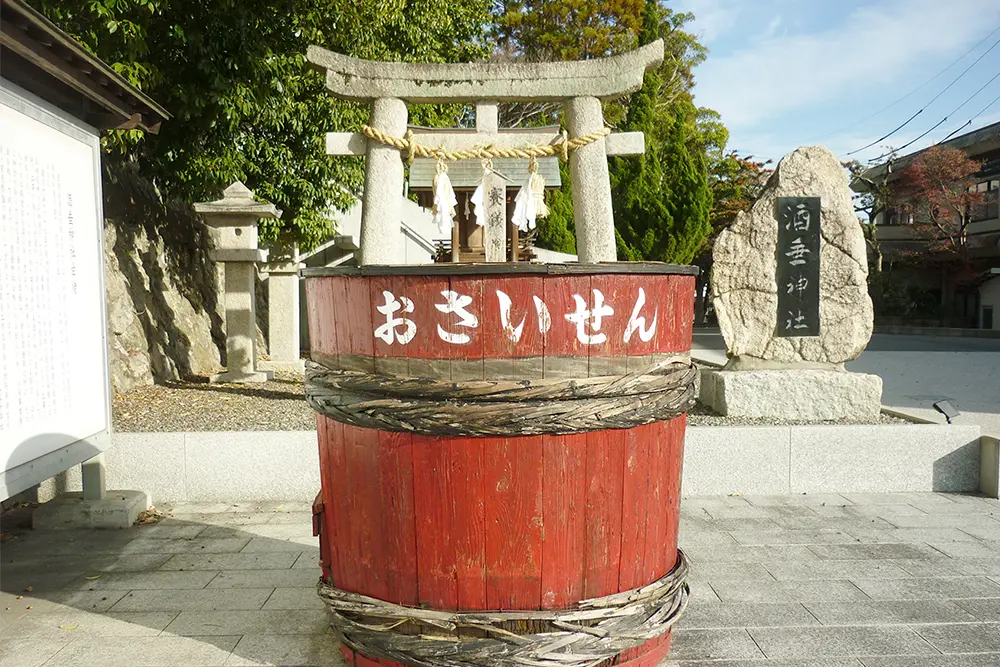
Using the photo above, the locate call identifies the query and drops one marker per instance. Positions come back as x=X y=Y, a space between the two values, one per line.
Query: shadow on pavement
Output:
x=218 y=584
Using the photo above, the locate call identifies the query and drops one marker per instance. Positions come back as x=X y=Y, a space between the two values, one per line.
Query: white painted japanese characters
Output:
x=459 y=318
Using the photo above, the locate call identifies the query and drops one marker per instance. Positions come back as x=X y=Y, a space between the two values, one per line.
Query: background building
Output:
x=919 y=283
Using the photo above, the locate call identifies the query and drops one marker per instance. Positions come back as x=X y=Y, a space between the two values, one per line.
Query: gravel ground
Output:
x=702 y=415
x=279 y=405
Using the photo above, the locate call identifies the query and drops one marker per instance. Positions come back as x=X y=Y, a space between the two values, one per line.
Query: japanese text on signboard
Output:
x=798 y=266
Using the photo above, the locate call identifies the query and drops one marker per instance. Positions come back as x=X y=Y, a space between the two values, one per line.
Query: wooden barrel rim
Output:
x=519 y=268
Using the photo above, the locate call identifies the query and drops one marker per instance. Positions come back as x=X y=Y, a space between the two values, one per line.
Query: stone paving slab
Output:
x=186 y=600
x=785 y=591
x=840 y=641
x=889 y=612
x=707 y=615
x=258 y=622
x=831 y=662
x=857 y=580
x=792 y=570
x=975 y=660
x=962 y=638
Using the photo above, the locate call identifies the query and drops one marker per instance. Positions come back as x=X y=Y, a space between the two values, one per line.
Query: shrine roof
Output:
x=44 y=60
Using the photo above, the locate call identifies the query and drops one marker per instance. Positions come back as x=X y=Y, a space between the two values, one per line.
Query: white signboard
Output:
x=53 y=356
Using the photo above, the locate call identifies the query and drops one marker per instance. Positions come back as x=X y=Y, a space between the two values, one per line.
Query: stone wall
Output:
x=165 y=317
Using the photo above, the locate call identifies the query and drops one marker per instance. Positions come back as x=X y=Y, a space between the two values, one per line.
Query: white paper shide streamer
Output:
x=524 y=207
x=479 y=196
x=445 y=202
x=529 y=204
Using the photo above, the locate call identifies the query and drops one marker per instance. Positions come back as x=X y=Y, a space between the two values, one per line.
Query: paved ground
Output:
x=898 y=580
x=917 y=371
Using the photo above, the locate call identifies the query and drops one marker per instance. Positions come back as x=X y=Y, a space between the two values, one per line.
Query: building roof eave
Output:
x=38 y=56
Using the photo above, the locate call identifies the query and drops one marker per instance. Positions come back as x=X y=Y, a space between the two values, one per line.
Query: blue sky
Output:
x=787 y=73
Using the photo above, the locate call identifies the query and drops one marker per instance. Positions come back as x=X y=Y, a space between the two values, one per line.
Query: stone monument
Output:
x=232 y=223
x=283 y=310
x=786 y=348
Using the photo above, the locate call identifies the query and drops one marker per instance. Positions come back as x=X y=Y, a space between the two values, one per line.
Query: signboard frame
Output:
x=57 y=453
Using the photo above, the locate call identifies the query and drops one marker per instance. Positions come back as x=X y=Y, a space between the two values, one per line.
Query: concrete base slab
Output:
x=238 y=377
x=290 y=366
x=793 y=394
x=118 y=509
x=747 y=460
x=282 y=465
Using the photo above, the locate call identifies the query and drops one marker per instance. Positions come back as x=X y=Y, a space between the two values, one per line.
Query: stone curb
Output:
x=256 y=466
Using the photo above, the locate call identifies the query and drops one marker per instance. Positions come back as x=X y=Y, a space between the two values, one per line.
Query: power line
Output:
x=969 y=122
x=942 y=121
x=905 y=123
x=918 y=88
x=933 y=99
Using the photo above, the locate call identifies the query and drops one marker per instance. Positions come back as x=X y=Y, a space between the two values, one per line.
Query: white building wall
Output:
x=989 y=295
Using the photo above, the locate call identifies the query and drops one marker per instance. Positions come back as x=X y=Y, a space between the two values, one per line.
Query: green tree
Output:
x=567 y=29
x=735 y=181
x=245 y=105
x=662 y=199
x=556 y=231
x=681 y=138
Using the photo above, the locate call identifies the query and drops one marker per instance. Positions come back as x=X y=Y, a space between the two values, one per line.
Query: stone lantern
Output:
x=232 y=223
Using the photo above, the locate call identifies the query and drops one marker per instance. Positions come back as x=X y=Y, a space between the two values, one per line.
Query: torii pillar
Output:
x=579 y=85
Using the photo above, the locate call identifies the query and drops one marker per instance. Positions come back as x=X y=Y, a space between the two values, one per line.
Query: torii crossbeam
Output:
x=579 y=85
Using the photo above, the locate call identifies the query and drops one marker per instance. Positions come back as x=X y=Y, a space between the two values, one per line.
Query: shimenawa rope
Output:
x=585 y=635
x=481 y=408
x=408 y=145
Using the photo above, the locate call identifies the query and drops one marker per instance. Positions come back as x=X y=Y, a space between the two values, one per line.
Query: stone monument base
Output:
x=236 y=377
x=793 y=394
x=117 y=509
x=289 y=366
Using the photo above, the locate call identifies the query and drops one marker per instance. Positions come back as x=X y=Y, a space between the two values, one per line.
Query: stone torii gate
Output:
x=579 y=86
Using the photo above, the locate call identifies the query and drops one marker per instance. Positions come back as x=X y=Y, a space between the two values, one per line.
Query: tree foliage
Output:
x=659 y=198
x=874 y=197
x=556 y=231
x=937 y=189
x=567 y=29
x=662 y=200
x=245 y=106
x=736 y=181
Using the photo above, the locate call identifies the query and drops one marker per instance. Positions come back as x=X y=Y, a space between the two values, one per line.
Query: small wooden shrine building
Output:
x=465 y=176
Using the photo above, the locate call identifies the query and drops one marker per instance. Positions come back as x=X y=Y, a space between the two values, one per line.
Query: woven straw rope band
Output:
x=502 y=407
x=408 y=145
x=591 y=632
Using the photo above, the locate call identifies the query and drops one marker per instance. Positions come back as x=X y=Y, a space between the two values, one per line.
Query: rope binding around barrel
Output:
x=585 y=635
x=483 y=408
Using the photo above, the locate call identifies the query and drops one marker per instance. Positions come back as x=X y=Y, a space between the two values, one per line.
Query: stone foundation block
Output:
x=118 y=509
x=279 y=366
x=239 y=377
x=793 y=394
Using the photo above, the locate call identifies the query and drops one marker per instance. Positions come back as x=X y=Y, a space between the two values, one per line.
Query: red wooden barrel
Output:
x=506 y=522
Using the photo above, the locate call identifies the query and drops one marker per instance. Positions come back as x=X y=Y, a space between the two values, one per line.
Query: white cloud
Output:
x=772 y=27
x=712 y=18
x=871 y=47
